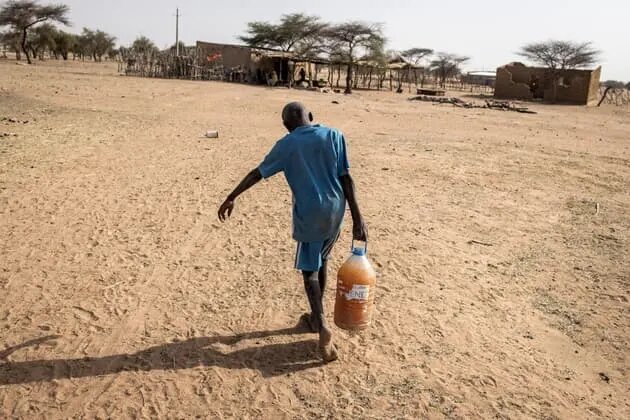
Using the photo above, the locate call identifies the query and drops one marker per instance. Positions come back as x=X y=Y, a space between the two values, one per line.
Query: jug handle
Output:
x=365 y=247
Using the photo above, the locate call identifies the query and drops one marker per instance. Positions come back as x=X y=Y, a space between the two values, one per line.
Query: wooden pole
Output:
x=604 y=95
x=177 y=32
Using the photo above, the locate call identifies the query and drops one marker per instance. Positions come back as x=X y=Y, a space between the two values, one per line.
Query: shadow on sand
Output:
x=270 y=359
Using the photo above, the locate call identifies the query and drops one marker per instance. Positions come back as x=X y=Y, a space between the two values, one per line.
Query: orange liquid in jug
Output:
x=356 y=282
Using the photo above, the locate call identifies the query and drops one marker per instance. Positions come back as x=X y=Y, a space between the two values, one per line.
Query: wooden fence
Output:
x=617 y=97
x=400 y=80
x=334 y=75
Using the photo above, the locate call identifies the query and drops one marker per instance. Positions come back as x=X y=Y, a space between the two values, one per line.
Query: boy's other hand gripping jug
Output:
x=356 y=282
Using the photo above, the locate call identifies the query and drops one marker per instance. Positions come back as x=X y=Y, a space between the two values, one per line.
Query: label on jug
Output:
x=358 y=292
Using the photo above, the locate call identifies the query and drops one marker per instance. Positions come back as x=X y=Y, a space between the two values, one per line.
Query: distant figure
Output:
x=533 y=85
x=314 y=162
x=272 y=78
x=302 y=75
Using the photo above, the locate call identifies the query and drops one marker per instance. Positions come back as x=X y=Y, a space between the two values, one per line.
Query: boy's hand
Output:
x=359 y=231
x=226 y=207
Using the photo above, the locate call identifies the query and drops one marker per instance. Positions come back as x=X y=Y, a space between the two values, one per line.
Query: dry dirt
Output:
x=501 y=242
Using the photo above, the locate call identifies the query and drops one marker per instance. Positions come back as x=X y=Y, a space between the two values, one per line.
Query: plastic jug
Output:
x=356 y=283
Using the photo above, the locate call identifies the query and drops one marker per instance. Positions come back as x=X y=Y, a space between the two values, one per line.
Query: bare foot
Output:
x=326 y=346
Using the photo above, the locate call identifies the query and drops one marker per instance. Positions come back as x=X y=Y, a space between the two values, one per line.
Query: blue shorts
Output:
x=311 y=255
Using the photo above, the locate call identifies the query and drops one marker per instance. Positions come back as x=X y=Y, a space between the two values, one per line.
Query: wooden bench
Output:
x=431 y=92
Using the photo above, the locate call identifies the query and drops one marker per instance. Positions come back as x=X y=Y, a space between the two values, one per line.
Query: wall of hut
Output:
x=223 y=62
x=517 y=81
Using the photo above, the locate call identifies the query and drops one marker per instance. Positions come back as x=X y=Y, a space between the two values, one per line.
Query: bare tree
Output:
x=447 y=65
x=350 y=39
x=22 y=15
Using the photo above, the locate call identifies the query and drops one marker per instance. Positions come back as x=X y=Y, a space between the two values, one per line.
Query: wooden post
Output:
x=331 y=73
x=177 y=32
x=280 y=75
x=604 y=95
x=310 y=74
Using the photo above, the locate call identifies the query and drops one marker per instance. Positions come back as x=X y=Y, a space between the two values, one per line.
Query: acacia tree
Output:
x=124 y=52
x=447 y=65
x=12 y=39
x=21 y=15
x=614 y=84
x=63 y=43
x=40 y=40
x=87 y=43
x=103 y=44
x=144 y=47
x=377 y=58
x=94 y=43
x=350 y=39
x=81 y=46
x=113 y=53
x=560 y=55
x=296 y=31
x=336 y=57
x=416 y=56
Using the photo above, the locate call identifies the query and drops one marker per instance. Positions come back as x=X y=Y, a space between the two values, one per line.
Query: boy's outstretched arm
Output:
x=359 y=229
x=249 y=181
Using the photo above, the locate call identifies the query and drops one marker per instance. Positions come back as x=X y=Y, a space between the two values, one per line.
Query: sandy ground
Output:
x=123 y=296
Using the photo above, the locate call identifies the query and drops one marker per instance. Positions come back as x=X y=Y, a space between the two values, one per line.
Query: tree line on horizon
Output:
x=47 y=39
x=31 y=33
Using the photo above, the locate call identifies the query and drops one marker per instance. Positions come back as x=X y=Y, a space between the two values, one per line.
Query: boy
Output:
x=314 y=161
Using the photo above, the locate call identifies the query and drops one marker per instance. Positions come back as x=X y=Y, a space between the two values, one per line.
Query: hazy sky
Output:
x=488 y=31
